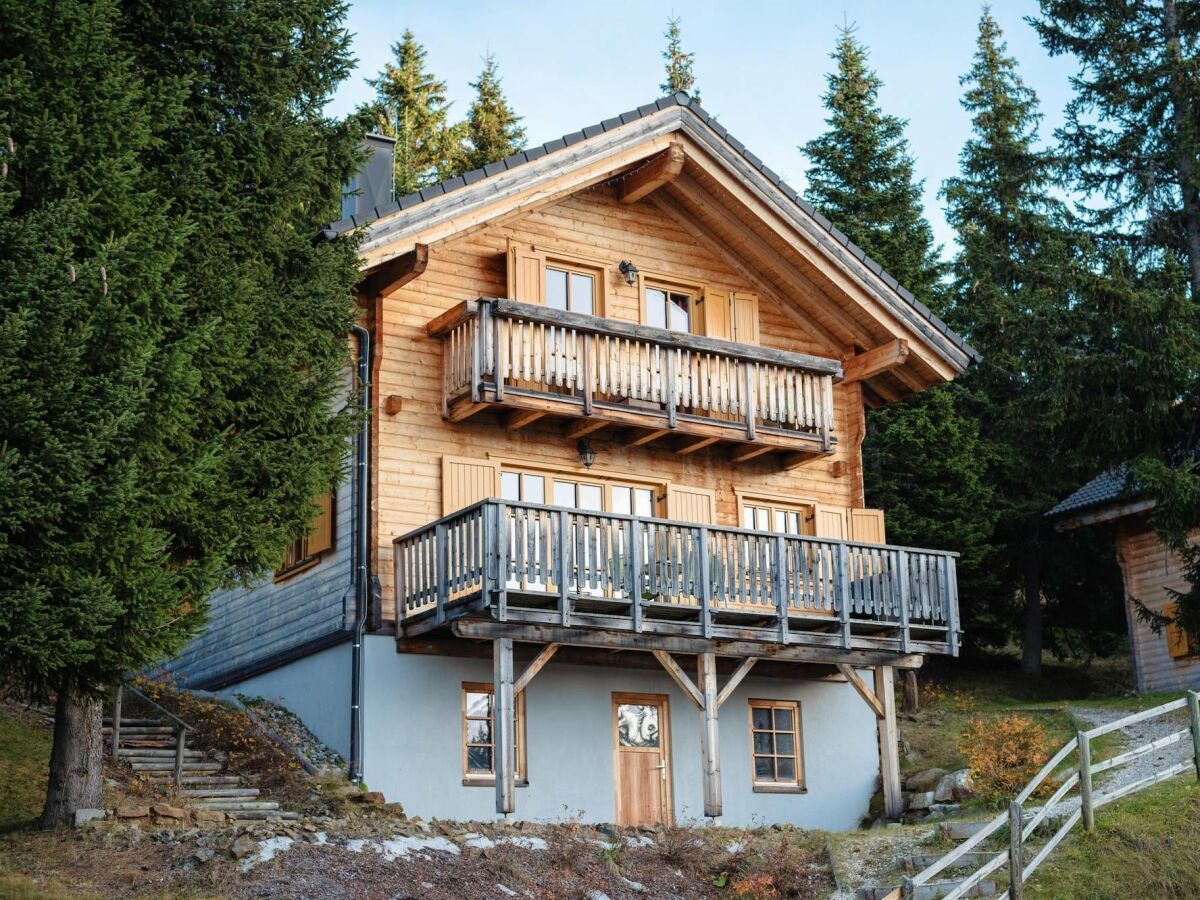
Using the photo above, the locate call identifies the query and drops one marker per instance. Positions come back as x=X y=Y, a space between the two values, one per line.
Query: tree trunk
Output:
x=1031 y=649
x=912 y=696
x=77 y=759
x=1184 y=122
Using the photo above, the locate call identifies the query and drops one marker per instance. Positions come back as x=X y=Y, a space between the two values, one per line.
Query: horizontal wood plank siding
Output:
x=1149 y=571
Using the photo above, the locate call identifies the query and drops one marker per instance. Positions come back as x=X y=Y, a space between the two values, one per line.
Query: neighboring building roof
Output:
x=689 y=106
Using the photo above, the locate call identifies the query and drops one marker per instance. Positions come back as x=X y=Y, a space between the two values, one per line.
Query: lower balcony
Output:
x=528 y=362
x=623 y=579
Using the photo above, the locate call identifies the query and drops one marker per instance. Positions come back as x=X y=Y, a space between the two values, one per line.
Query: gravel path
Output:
x=1135 y=736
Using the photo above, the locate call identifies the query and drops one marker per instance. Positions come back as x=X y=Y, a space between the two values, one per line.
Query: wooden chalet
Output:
x=617 y=387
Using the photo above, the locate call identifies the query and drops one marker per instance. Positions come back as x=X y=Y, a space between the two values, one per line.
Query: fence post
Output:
x=180 y=750
x=1016 y=870
x=116 y=726
x=1085 y=781
x=1194 y=706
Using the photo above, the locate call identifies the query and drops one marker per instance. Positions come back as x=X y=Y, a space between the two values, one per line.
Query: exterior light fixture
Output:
x=630 y=271
x=587 y=454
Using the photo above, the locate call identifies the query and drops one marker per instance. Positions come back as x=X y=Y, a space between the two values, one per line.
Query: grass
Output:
x=1147 y=845
x=24 y=764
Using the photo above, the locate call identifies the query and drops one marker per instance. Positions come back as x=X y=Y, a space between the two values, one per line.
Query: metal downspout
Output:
x=361 y=550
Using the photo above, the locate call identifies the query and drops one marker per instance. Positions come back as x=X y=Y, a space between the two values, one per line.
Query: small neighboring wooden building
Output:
x=617 y=387
x=1170 y=658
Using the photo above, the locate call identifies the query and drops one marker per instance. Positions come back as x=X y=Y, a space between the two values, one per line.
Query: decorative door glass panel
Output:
x=637 y=725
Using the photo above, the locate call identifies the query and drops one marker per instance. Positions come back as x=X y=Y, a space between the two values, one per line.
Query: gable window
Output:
x=478 y=734
x=777 y=760
x=555 y=279
x=570 y=288
x=669 y=307
x=305 y=552
x=781 y=517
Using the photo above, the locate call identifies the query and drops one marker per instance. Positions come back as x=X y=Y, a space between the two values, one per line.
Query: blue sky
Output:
x=760 y=66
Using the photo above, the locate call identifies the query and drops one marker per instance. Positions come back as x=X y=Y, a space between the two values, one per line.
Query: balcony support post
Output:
x=749 y=405
x=499 y=334
x=842 y=597
x=503 y=541
x=704 y=579
x=439 y=569
x=562 y=570
x=902 y=592
x=504 y=754
x=670 y=387
x=636 y=529
x=951 y=601
x=709 y=735
x=779 y=582
x=889 y=742
x=585 y=371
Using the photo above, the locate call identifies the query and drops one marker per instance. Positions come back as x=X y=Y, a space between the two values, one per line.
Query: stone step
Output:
x=960 y=831
x=972 y=860
x=232 y=804
x=246 y=815
x=219 y=793
x=166 y=765
x=935 y=890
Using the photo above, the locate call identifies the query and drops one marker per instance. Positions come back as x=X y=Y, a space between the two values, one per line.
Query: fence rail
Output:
x=502 y=548
x=588 y=365
x=1021 y=830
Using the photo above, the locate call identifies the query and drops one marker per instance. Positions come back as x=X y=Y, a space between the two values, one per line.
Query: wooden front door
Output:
x=643 y=759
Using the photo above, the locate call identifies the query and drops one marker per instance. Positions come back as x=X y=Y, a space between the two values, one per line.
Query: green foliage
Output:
x=171 y=339
x=411 y=106
x=493 y=129
x=678 y=65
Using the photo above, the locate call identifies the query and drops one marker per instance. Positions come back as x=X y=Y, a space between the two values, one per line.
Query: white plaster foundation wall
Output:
x=316 y=688
x=413 y=752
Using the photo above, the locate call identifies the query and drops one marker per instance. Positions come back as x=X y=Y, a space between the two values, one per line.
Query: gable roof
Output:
x=694 y=121
x=1106 y=488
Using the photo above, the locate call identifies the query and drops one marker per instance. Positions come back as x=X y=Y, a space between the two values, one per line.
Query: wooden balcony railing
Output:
x=544 y=564
x=501 y=352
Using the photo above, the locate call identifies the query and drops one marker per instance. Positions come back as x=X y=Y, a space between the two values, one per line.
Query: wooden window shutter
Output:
x=466 y=481
x=689 y=504
x=1178 y=644
x=526 y=274
x=321 y=536
x=867 y=525
x=716 y=315
x=743 y=313
x=831 y=521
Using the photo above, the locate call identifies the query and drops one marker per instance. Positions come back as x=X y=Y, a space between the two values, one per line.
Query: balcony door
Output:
x=642 y=763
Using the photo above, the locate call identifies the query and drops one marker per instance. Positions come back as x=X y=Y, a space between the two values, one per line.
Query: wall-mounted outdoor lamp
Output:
x=630 y=271
x=587 y=454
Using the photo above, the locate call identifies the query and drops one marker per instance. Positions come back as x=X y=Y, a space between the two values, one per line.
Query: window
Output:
x=777 y=762
x=601 y=495
x=763 y=516
x=672 y=308
x=1180 y=644
x=306 y=551
x=570 y=288
x=479 y=734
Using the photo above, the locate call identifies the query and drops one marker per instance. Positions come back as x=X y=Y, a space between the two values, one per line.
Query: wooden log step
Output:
x=166 y=765
x=219 y=793
x=235 y=804
x=247 y=814
x=155 y=753
x=198 y=780
x=136 y=723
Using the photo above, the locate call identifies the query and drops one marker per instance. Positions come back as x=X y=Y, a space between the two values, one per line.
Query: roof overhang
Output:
x=727 y=199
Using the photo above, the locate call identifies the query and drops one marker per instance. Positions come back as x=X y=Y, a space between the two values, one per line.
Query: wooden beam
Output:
x=710 y=742
x=505 y=725
x=882 y=359
x=695 y=445
x=533 y=668
x=652 y=175
x=735 y=679
x=748 y=452
x=645 y=437
x=863 y=690
x=394 y=274
x=583 y=428
x=795 y=460
x=646 y=642
x=519 y=418
x=679 y=677
x=889 y=742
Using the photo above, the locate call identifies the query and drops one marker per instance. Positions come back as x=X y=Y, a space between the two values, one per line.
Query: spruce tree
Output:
x=677 y=63
x=921 y=456
x=411 y=106
x=493 y=129
x=173 y=341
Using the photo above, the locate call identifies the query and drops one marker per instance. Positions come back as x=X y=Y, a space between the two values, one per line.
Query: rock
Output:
x=926 y=780
x=83 y=816
x=372 y=798
x=166 y=811
x=636 y=886
x=958 y=830
x=203 y=854
x=921 y=800
x=243 y=846
x=955 y=786
x=596 y=895
x=133 y=812
x=208 y=816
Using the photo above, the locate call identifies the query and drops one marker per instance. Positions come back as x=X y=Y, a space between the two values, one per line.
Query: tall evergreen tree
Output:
x=677 y=63
x=173 y=341
x=921 y=457
x=493 y=129
x=1016 y=280
x=411 y=106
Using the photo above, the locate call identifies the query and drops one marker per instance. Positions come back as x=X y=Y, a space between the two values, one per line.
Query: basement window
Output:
x=777 y=761
x=478 y=735
x=305 y=552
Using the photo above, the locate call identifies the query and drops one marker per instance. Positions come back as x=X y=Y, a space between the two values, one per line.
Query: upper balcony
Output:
x=629 y=580
x=537 y=361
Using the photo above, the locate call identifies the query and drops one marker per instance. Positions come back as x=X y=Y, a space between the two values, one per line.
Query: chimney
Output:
x=371 y=186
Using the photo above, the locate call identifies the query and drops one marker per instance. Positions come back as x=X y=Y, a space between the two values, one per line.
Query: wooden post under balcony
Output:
x=889 y=742
x=710 y=744
x=504 y=725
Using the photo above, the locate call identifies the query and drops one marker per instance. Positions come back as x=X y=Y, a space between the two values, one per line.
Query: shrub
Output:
x=1004 y=753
